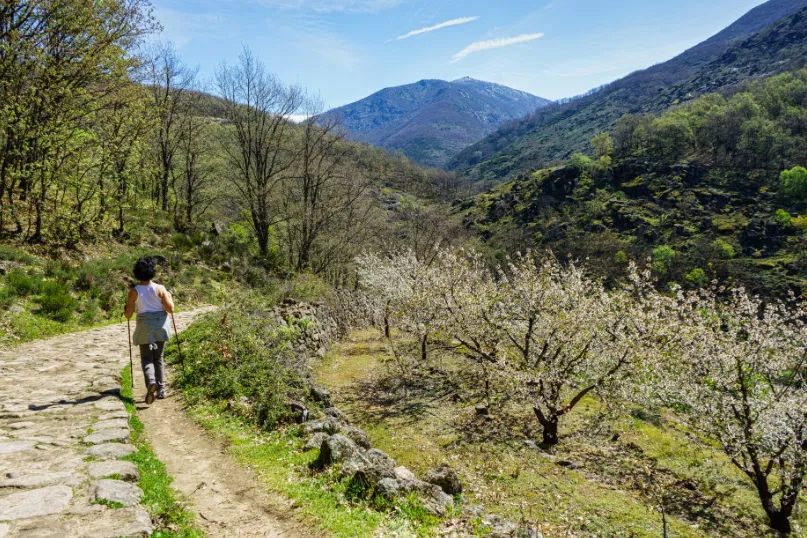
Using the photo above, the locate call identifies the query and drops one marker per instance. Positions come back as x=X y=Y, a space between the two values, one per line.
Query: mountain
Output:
x=767 y=40
x=432 y=120
x=699 y=186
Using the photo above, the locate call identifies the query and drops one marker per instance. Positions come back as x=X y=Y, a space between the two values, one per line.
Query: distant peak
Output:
x=465 y=80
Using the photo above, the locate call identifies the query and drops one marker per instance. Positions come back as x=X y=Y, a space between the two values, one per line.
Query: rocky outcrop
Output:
x=348 y=450
x=446 y=478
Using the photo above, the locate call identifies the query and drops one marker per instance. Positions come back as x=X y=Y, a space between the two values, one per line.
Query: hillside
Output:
x=432 y=120
x=698 y=189
x=767 y=40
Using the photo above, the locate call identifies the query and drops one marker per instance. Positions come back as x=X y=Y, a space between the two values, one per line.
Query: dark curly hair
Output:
x=144 y=269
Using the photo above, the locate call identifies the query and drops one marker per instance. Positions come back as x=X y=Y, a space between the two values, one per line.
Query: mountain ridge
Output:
x=431 y=120
x=556 y=132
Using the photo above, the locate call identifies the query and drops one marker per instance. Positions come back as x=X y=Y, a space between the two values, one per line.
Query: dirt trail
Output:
x=227 y=498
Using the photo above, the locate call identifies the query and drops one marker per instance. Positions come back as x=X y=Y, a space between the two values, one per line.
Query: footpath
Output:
x=64 y=428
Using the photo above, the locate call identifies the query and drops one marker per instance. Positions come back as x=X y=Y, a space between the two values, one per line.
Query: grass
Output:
x=171 y=518
x=321 y=500
x=43 y=298
x=611 y=493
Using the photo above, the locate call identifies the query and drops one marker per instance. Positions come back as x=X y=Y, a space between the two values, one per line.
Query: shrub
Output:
x=723 y=249
x=697 y=278
x=56 y=301
x=90 y=313
x=12 y=254
x=5 y=298
x=794 y=183
x=663 y=258
x=22 y=284
x=309 y=288
x=621 y=258
x=581 y=162
x=782 y=218
x=243 y=355
x=182 y=241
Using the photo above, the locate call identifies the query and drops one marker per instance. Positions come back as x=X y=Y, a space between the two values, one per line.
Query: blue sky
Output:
x=348 y=49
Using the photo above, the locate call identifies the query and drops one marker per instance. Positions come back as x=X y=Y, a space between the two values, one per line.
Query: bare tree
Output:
x=169 y=80
x=259 y=152
x=192 y=192
x=322 y=188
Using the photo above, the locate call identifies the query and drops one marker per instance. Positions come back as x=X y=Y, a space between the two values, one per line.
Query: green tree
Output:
x=782 y=218
x=697 y=278
x=603 y=145
x=663 y=258
x=794 y=183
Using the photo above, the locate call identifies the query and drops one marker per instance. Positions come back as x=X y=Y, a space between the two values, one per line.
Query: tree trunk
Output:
x=550 y=425
x=778 y=517
x=423 y=341
x=779 y=521
x=164 y=190
x=551 y=432
x=386 y=320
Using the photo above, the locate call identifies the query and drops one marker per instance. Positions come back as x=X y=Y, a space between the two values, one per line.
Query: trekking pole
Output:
x=179 y=346
x=131 y=364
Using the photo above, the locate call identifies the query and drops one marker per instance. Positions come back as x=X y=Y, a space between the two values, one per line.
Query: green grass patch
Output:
x=322 y=500
x=172 y=520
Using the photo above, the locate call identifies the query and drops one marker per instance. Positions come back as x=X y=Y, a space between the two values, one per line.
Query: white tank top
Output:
x=147 y=299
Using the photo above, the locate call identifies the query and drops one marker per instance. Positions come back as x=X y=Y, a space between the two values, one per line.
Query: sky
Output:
x=345 y=50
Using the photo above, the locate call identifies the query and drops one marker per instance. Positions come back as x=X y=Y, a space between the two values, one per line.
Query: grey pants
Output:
x=151 y=359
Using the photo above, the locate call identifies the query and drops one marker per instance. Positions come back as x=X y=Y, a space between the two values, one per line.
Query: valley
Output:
x=451 y=308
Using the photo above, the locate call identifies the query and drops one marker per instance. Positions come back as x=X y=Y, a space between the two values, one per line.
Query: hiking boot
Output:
x=161 y=394
x=150 y=393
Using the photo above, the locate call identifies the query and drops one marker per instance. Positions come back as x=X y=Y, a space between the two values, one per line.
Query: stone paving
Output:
x=63 y=428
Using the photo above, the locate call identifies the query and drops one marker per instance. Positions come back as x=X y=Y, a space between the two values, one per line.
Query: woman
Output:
x=153 y=304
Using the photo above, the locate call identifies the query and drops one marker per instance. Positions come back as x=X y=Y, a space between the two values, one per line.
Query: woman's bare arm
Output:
x=168 y=301
x=130 y=303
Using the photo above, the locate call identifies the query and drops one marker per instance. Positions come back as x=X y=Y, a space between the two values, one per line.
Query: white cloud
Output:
x=298 y=118
x=493 y=44
x=331 y=6
x=453 y=22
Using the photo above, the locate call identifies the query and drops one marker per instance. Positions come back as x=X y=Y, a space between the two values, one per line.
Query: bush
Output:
x=12 y=254
x=663 y=258
x=782 y=218
x=90 y=313
x=56 y=301
x=794 y=183
x=242 y=356
x=697 y=278
x=22 y=284
x=723 y=249
x=5 y=299
x=621 y=258
x=309 y=288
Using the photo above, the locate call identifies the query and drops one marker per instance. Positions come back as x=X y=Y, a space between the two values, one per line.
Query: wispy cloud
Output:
x=493 y=44
x=446 y=24
x=332 y=6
